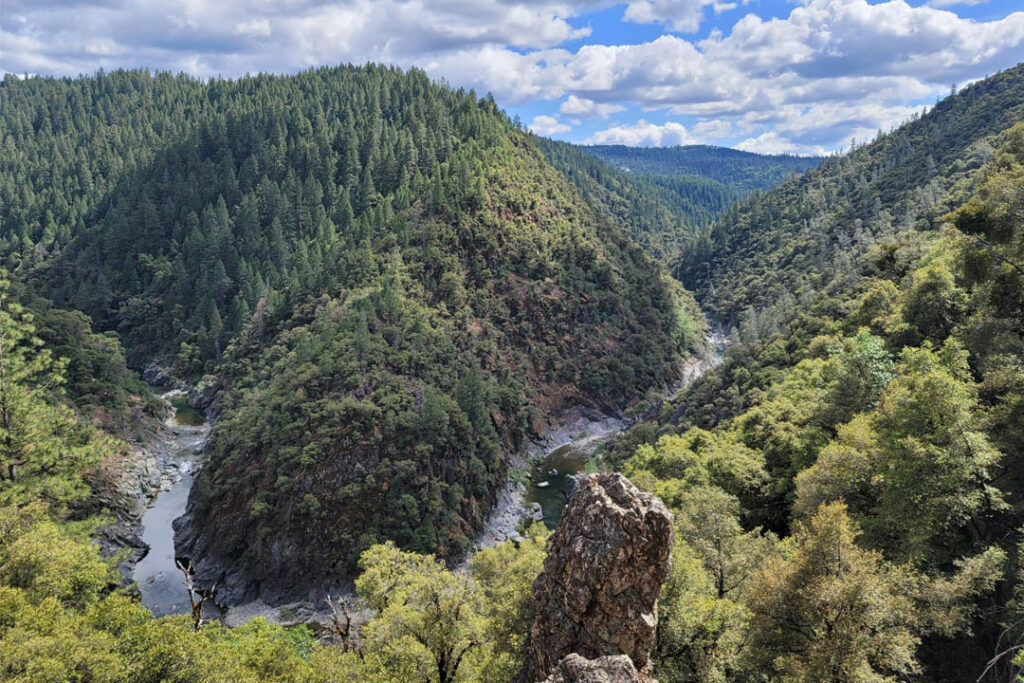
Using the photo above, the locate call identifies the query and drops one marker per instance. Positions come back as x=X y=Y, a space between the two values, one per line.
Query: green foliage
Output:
x=96 y=379
x=429 y=619
x=59 y=621
x=884 y=377
x=666 y=194
x=45 y=451
x=435 y=625
x=771 y=254
x=677 y=464
x=700 y=634
x=827 y=610
x=707 y=520
x=918 y=466
x=743 y=172
x=505 y=575
x=936 y=458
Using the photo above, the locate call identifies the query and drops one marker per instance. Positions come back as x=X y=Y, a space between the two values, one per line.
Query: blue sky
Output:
x=802 y=76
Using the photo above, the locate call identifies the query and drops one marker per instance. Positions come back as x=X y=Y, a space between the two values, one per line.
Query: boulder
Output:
x=159 y=376
x=569 y=486
x=535 y=513
x=597 y=595
x=202 y=396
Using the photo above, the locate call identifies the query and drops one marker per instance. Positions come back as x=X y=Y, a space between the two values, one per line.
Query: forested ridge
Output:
x=845 y=485
x=668 y=195
x=771 y=254
x=740 y=171
x=390 y=285
x=880 y=416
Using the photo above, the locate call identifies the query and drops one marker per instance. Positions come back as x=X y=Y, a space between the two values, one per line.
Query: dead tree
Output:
x=196 y=597
x=341 y=631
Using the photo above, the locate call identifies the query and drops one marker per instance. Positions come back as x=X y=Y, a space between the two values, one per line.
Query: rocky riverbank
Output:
x=128 y=483
x=585 y=431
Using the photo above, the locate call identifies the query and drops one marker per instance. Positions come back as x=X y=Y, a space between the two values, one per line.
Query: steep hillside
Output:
x=667 y=195
x=655 y=222
x=392 y=285
x=883 y=412
x=775 y=251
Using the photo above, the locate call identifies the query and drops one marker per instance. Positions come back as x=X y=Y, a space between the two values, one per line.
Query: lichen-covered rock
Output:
x=576 y=669
x=598 y=593
x=124 y=481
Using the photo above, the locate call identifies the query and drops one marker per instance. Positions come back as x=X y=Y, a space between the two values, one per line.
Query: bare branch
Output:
x=197 y=598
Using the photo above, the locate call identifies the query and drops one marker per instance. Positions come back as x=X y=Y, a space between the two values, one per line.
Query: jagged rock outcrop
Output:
x=598 y=593
x=576 y=669
x=122 y=485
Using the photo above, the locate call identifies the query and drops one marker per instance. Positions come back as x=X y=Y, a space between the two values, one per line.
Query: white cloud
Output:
x=828 y=38
x=274 y=36
x=950 y=3
x=832 y=70
x=829 y=70
x=712 y=130
x=771 y=143
x=581 y=107
x=684 y=16
x=643 y=134
x=548 y=125
x=253 y=27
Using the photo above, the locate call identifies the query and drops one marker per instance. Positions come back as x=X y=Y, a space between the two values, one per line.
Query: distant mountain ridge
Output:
x=667 y=195
x=740 y=170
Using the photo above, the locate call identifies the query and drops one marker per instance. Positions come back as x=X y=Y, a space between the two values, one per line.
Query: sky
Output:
x=770 y=76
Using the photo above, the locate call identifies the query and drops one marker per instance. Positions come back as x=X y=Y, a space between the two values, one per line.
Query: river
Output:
x=160 y=581
x=566 y=450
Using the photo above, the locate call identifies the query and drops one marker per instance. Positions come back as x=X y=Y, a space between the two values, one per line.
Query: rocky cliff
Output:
x=597 y=596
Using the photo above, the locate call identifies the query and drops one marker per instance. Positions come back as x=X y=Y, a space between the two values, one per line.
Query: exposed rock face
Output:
x=535 y=513
x=598 y=593
x=124 y=481
x=159 y=376
x=121 y=486
x=576 y=669
x=204 y=394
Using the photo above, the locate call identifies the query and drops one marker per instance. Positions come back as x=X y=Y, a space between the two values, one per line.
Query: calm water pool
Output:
x=160 y=582
x=184 y=414
x=553 y=469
